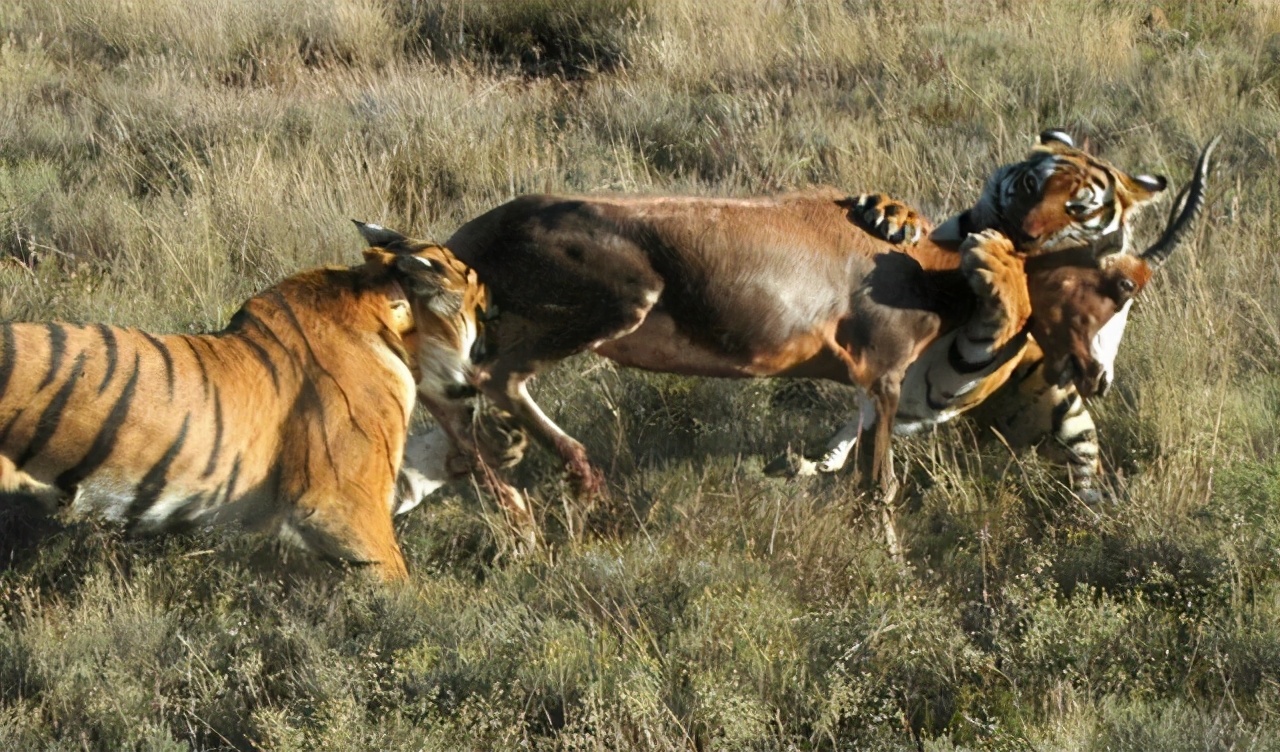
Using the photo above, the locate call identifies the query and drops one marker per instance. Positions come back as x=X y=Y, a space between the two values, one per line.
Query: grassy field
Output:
x=162 y=160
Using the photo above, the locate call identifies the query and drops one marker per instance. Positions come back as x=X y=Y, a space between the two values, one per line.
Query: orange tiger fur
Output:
x=293 y=419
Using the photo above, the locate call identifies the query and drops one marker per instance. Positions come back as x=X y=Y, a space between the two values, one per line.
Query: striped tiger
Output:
x=293 y=419
x=1059 y=197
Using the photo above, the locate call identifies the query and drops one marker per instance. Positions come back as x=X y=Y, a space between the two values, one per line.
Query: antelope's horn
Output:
x=1186 y=207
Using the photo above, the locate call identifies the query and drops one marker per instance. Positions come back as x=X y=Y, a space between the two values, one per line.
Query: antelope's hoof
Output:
x=791 y=465
x=501 y=439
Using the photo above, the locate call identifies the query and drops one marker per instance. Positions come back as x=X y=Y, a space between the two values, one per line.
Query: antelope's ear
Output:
x=378 y=236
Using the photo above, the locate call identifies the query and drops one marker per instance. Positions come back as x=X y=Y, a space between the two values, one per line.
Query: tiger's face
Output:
x=1059 y=197
x=447 y=304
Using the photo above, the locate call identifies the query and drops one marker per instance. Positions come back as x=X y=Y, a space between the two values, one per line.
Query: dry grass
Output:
x=162 y=160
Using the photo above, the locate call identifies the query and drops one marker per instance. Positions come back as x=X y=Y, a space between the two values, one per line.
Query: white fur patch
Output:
x=424 y=469
x=1106 y=343
x=840 y=445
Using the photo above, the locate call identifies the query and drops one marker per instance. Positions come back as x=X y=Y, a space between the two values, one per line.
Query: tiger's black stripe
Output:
x=8 y=355
x=212 y=464
x=239 y=324
x=231 y=480
x=306 y=342
x=47 y=425
x=105 y=442
x=1069 y=408
x=293 y=320
x=4 y=432
x=262 y=327
x=110 y=346
x=166 y=356
x=204 y=372
x=153 y=483
x=57 y=349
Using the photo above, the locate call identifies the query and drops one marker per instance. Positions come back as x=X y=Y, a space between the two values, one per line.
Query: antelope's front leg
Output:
x=884 y=394
x=467 y=456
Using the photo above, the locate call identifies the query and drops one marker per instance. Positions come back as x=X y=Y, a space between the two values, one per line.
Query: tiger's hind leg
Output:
x=1029 y=411
x=1073 y=441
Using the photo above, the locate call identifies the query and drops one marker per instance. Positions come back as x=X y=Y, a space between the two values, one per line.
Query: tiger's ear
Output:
x=424 y=279
x=420 y=272
x=378 y=236
x=1142 y=188
x=1056 y=136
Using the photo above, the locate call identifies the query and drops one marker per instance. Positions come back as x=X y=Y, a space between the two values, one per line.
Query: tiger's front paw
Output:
x=888 y=218
x=990 y=265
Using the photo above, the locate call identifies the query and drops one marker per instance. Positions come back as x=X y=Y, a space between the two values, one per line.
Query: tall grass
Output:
x=160 y=161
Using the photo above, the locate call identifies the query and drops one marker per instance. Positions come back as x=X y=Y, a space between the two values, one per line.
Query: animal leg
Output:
x=356 y=531
x=588 y=481
x=1074 y=442
x=889 y=219
x=840 y=445
x=1032 y=412
x=458 y=452
x=14 y=481
x=885 y=393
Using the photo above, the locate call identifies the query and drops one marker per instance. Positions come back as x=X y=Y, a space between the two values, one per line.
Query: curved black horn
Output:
x=1186 y=206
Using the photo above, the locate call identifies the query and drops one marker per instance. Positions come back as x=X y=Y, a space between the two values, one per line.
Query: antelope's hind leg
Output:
x=526 y=348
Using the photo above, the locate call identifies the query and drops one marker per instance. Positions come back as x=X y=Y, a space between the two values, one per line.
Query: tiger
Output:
x=1059 y=197
x=291 y=420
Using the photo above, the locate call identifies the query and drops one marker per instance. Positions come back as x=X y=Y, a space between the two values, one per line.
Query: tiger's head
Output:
x=443 y=311
x=1058 y=197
